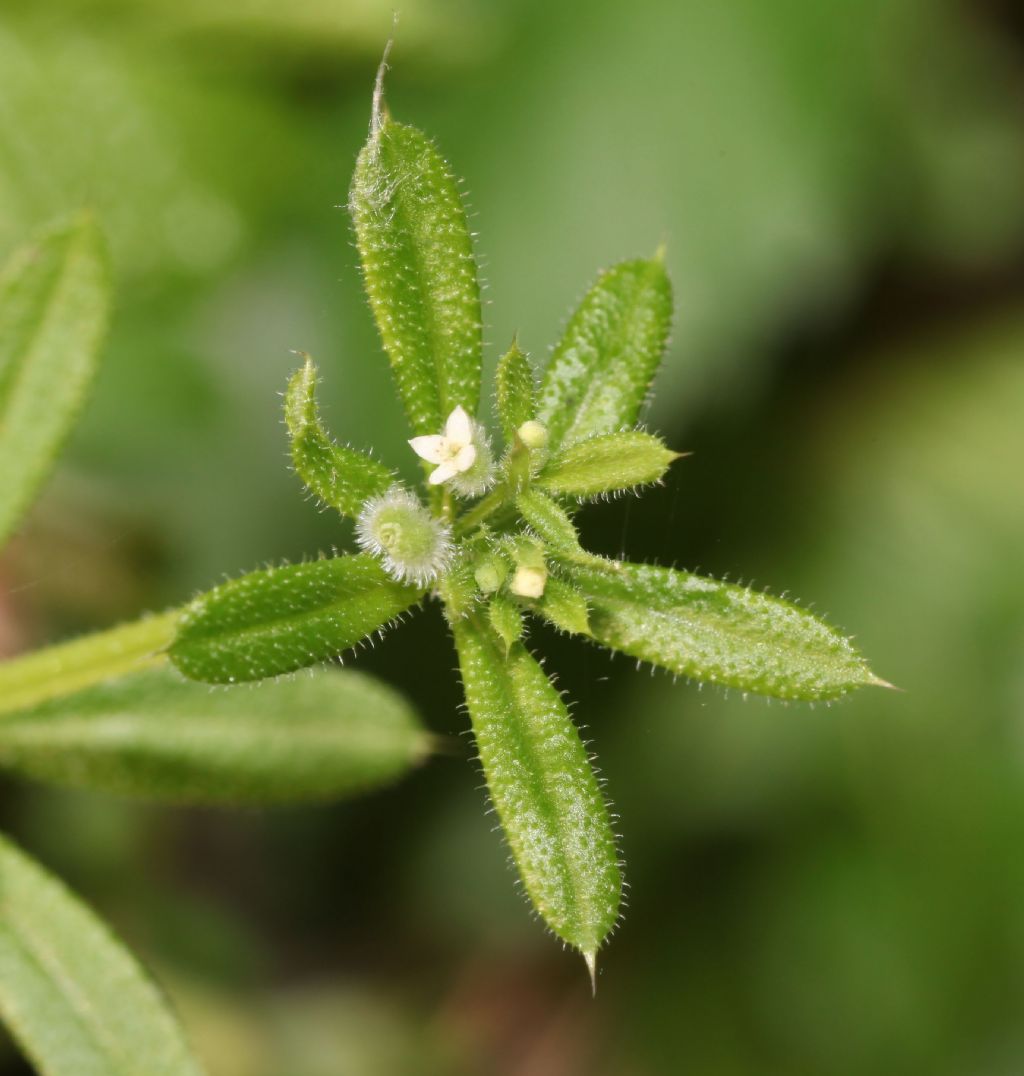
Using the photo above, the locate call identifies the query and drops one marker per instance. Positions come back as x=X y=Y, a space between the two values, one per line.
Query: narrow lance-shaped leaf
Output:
x=607 y=463
x=332 y=733
x=601 y=370
x=507 y=620
x=550 y=522
x=54 y=306
x=564 y=606
x=419 y=271
x=718 y=632
x=515 y=392
x=73 y=997
x=543 y=788
x=281 y=619
x=339 y=476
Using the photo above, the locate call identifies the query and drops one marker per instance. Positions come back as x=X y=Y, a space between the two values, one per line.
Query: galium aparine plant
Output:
x=492 y=537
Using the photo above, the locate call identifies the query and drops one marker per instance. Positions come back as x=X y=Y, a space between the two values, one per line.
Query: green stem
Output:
x=68 y=667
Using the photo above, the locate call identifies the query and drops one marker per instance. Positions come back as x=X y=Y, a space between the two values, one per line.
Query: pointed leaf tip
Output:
x=590 y=959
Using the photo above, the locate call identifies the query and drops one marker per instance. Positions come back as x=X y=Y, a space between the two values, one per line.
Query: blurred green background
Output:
x=841 y=188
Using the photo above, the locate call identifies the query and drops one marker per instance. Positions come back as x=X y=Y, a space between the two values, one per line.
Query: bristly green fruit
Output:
x=602 y=368
x=54 y=307
x=718 y=632
x=339 y=476
x=543 y=788
x=282 y=619
x=419 y=271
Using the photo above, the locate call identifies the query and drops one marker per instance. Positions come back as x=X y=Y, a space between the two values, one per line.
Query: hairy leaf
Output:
x=73 y=997
x=607 y=463
x=337 y=475
x=602 y=368
x=564 y=605
x=549 y=521
x=327 y=734
x=718 y=632
x=281 y=619
x=54 y=306
x=543 y=789
x=515 y=391
x=507 y=620
x=419 y=271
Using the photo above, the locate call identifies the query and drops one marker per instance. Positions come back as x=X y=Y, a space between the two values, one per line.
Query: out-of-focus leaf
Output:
x=718 y=632
x=419 y=271
x=54 y=306
x=603 y=366
x=69 y=667
x=339 y=476
x=281 y=619
x=73 y=997
x=543 y=788
x=327 y=734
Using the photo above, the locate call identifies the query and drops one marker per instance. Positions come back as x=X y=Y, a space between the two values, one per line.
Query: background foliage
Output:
x=841 y=188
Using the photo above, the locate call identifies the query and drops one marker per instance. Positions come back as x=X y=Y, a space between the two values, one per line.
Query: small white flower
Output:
x=462 y=455
x=453 y=451
x=413 y=546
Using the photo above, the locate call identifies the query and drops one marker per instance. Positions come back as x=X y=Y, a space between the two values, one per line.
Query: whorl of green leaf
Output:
x=507 y=620
x=718 y=632
x=419 y=271
x=602 y=368
x=54 y=307
x=515 y=391
x=564 y=606
x=72 y=996
x=549 y=521
x=543 y=788
x=328 y=734
x=607 y=463
x=339 y=476
x=281 y=619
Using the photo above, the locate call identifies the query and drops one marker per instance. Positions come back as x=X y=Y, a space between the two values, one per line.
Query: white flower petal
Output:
x=459 y=427
x=442 y=474
x=433 y=448
x=464 y=458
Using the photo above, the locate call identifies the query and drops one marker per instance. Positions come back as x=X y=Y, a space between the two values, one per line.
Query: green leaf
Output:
x=281 y=619
x=543 y=788
x=419 y=271
x=73 y=997
x=515 y=391
x=331 y=733
x=550 y=522
x=607 y=463
x=718 y=632
x=68 y=667
x=507 y=620
x=564 y=605
x=54 y=306
x=602 y=369
x=339 y=476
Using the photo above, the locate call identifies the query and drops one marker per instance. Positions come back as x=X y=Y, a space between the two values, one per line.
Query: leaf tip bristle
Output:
x=379 y=112
x=590 y=959
x=877 y=681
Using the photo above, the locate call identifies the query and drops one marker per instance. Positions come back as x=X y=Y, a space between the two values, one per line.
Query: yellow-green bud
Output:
x=533 y=434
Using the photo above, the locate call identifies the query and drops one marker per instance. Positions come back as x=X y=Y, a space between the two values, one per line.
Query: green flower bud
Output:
x=533 y=434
